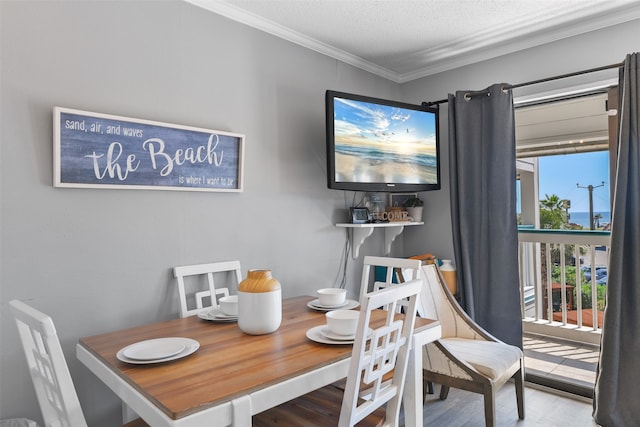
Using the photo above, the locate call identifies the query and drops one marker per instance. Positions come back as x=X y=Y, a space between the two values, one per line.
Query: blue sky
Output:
x=559 y=175
x=368 y=122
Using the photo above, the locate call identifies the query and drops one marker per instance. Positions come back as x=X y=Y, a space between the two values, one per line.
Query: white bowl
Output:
x=229 y=305
x=331 y=297
x=343 y=322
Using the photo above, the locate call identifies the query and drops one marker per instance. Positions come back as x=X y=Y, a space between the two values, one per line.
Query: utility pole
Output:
x=567 y=205
x=590 y=188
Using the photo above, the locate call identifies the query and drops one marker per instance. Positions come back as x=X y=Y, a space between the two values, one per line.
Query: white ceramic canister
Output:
x=259 y=303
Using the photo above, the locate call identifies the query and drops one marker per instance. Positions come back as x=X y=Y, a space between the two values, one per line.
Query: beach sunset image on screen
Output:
x=382 y=143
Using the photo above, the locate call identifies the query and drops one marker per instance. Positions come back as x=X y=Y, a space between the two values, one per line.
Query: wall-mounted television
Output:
x=377 y=145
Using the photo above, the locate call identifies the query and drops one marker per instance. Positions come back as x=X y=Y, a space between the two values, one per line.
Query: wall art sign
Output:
x=94 y=150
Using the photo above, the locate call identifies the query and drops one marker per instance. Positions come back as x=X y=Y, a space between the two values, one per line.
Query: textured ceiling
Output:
x=407 y=39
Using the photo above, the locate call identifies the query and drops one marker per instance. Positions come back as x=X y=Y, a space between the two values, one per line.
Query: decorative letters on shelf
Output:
x=94 y=150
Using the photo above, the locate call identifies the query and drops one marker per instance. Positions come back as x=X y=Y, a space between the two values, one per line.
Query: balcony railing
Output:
x=562 y=278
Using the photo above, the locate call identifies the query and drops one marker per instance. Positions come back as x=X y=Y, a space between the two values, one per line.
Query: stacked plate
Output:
x=323 y=335
x=346 y=305
x=216 y=315
x=158 y=350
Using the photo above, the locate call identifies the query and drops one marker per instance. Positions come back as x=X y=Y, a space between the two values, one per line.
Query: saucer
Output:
x=315 y=334
x=316 y=302
x=348 y=305
x=216 y=315
x=336 y=337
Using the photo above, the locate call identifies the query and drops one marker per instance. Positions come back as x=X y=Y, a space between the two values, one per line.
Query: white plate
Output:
x=335 y=337
x=316 y=303
x=328 y=334
x=348 y=306
x=159 y=348
x=315 y=334
x=190 y=346
x=216 y=315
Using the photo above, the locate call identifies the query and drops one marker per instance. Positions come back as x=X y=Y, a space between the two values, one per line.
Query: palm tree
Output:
x=552 y=212
x=553 y=215
x=552 y=202
x=597 y=217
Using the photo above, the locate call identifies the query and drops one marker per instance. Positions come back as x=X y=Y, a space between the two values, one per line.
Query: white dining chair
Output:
x=377 y=371
x=200 y=300
x=381 y=272
x=50 y=375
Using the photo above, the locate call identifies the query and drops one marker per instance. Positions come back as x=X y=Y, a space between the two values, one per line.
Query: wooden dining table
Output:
x=233 y=375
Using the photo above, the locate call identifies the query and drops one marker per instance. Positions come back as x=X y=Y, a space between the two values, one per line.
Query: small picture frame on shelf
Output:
x=360 y=216
x=397 y=200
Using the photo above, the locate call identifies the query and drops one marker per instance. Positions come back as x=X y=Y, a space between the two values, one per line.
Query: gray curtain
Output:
x=618 y=377
x=483 y=206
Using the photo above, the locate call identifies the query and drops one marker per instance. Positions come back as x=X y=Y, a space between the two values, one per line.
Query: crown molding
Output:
x=490 y=44
x=242 y=16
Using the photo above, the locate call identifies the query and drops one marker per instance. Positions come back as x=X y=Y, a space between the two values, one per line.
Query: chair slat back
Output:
x=397 y=270
x=378 y=352
x=192 y=303
x=50 y=375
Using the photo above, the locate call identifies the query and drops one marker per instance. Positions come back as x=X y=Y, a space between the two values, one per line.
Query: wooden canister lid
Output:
x=259 y=280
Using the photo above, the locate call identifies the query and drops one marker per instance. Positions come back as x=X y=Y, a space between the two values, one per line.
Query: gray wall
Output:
x=100 y=260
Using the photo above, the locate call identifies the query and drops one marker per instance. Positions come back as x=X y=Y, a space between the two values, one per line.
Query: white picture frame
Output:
x=95 y=150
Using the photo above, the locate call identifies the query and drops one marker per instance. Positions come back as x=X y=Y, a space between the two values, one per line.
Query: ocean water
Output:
x=582 y=218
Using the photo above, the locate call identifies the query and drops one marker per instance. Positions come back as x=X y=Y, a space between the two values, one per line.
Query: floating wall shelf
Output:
x=358 y=233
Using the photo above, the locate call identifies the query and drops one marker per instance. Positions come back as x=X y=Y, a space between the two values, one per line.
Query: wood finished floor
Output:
x=542 y=409
x=562 y=360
